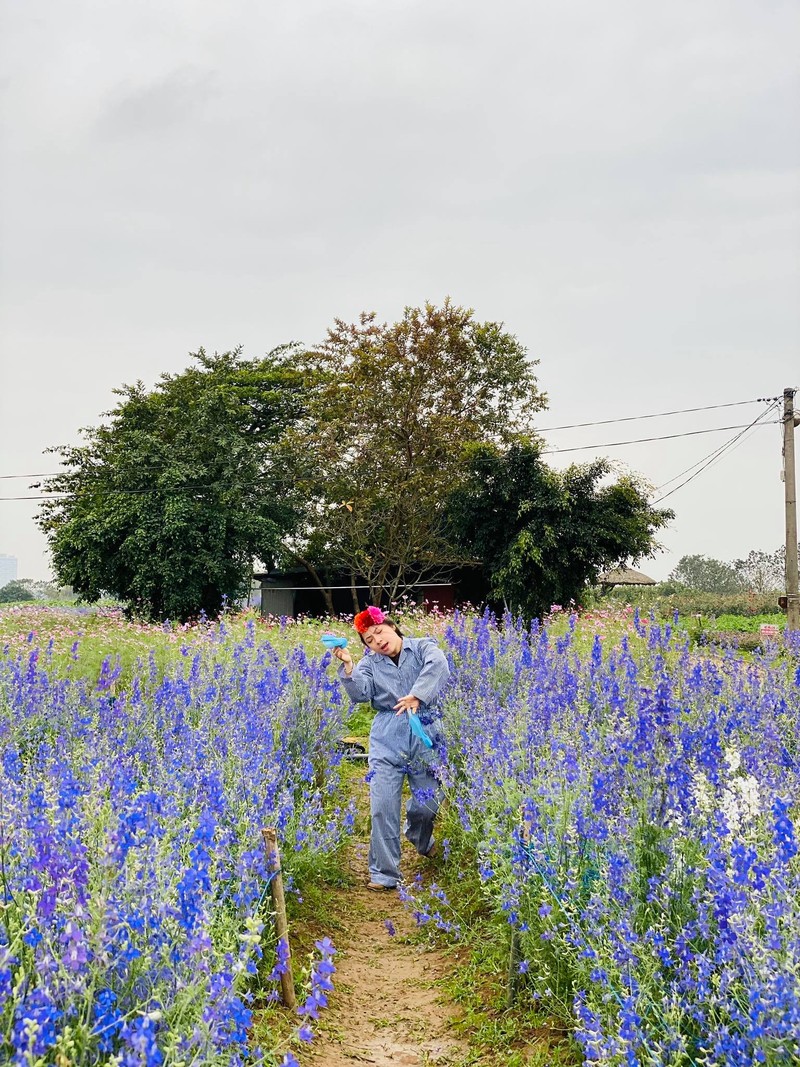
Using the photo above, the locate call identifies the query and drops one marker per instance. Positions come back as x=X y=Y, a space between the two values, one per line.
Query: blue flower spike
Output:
x=332 y=641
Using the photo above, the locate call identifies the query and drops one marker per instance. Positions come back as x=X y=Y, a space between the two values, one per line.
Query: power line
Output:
x=52 y=474
x=715 y=456
x=547 y=429
x=547 y=452
x=666 y=437
x=686 y=470
x=712 y=457
x=660 y=414
x=718 y=452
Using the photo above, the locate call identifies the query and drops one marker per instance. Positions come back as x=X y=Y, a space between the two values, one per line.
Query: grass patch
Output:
x=499 y=1036
x=359 y=722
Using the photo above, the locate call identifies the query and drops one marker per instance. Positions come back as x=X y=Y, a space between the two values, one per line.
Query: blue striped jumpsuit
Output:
x=394 y=751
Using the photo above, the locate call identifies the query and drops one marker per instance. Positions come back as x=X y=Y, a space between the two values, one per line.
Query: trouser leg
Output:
x=421 y=809
x=385 y=791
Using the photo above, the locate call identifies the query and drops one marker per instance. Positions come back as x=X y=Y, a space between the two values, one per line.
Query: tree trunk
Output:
x=354 y=593
x=312 y=570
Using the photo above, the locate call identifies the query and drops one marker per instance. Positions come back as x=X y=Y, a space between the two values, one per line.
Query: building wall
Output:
x=291 y=594
x=277 y=601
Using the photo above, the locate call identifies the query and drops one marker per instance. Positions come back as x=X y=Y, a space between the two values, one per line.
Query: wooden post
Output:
x=513 y=969
x=279 y=903
x=790 y=420
x=319 y=754
x=515 y=954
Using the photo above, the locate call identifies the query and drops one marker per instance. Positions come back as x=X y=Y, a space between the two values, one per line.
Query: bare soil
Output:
x=389 y=1006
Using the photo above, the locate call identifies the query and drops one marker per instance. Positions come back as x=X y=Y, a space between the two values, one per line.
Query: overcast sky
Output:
x=618 y=183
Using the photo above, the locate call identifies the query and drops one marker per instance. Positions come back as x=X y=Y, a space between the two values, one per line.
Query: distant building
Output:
x=294 y=593
x=8 y=569
x=623 y=576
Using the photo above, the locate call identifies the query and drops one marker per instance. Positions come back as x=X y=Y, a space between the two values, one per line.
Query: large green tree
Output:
x=392 y=410
x=543 y=535
x=166 y=503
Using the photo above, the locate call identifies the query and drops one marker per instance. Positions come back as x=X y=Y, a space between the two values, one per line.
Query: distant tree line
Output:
x=21 y=590
x=390 y=453
x=758 y=572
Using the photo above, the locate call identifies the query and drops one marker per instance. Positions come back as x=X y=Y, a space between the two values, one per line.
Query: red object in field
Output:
x=769 y=629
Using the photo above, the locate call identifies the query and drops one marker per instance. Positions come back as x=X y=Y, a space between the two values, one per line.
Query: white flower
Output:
x=741 y=803
x=733 y=759
x=703 y=793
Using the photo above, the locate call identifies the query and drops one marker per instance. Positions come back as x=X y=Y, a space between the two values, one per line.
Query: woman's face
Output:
x=383 y=639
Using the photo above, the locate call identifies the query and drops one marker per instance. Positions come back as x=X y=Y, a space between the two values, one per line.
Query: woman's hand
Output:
x=346 y=658
x=409 y=703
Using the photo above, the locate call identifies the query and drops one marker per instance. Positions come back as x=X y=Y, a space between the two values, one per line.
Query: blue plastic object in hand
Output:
x=332 y=641
x=419 y=730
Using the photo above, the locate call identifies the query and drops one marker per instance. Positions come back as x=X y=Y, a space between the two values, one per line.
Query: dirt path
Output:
x=389 y=1007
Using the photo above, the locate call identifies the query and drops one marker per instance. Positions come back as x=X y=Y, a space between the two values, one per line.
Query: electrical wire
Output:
x=660 y=414
x=546 y=452
x=547 y=429
x=127 y=492
x=711 y=456
x=734 y=445
x=717 y=455
x=643 y=440
x=6 y=477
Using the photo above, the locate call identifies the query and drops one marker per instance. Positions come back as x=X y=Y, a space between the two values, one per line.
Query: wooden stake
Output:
x=515 y=949
x=279 y=903
x=512 y=981
x=319 y=758
x=790 y=420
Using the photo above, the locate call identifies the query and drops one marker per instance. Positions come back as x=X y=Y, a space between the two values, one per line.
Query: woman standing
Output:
x=400 y=676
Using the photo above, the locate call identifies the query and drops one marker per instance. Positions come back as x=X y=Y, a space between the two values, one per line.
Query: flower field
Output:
x=134 y=877
x=626 y=802
x=631 y=808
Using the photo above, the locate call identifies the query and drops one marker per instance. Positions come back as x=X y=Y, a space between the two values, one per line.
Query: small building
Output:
x=623 y=576
x=294 y=592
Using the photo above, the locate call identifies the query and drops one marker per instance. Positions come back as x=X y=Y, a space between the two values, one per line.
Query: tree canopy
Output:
x=392 y=410
x=391 y=453
x=706 y=575
x=167 y=503
x=762 y=572
x=15 y=591
x=543 y=535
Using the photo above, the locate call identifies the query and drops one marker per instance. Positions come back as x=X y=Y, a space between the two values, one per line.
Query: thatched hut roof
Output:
x=624 y=576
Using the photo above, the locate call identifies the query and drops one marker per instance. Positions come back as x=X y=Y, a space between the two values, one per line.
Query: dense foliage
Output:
x=29 y=589
x=665 y=601
x=543 y=535
x=15 y=592
x=393 y=409
x=166 y=505
x=387 y=456
x=631 y=808
x=135 y=923
x=759 y=573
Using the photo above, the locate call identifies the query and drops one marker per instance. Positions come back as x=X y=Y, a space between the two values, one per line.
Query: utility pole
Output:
x=790 y=420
